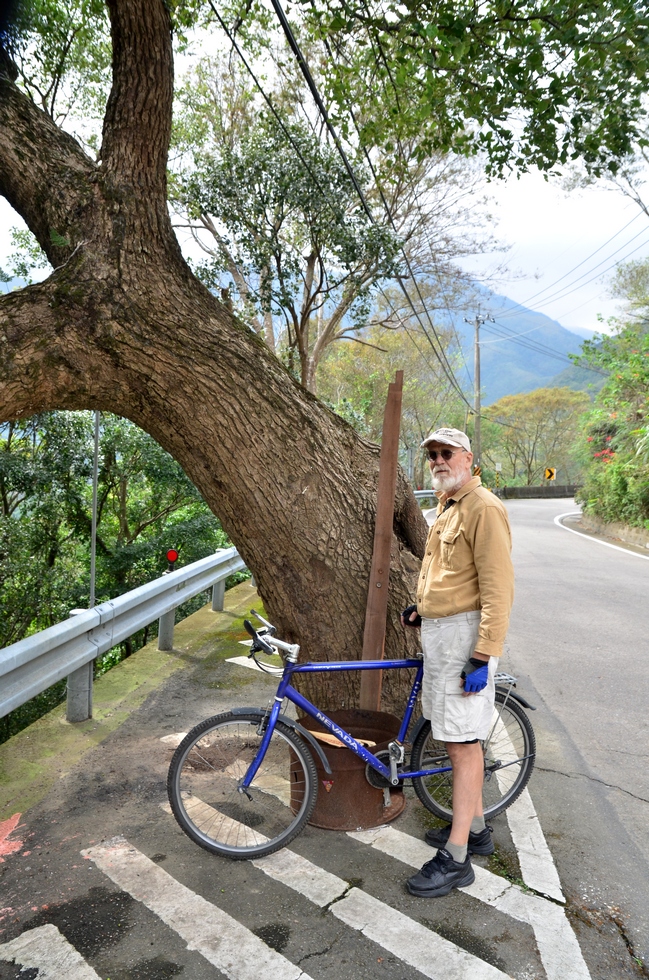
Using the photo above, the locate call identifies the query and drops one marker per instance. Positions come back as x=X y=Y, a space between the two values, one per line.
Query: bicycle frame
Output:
x=286 y=690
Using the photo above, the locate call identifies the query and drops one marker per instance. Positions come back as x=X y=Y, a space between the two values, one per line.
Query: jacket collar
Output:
x=471 y=484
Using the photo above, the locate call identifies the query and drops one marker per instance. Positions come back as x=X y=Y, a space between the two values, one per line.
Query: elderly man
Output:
x=464 y=598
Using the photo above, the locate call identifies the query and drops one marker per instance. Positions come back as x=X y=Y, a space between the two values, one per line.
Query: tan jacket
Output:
x=468 y=566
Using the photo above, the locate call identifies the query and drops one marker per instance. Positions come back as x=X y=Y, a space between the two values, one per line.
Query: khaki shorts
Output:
x=447 y=644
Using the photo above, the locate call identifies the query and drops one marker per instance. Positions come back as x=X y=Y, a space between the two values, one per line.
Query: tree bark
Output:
x=122 y=325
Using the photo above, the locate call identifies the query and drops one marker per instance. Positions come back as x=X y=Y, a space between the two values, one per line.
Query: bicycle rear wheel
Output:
x=509 y=752
x=203 y=780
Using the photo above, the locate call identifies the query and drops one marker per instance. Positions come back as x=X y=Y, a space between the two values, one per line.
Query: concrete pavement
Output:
x=97 y=820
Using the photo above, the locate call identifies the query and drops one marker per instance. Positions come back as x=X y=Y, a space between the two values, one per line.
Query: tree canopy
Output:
x=529 y=82
x=304 y=258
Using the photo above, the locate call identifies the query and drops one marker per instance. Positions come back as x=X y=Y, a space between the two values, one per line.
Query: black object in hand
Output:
x=407 y=613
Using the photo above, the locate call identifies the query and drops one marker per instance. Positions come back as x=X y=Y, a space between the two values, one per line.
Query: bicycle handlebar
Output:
x=261 y=619
x=260 y=642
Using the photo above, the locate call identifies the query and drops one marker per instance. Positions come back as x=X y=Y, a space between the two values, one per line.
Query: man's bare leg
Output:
x=468 y=773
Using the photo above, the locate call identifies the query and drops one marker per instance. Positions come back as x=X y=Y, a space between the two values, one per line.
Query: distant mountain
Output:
x=521 y=351
x=578 y=378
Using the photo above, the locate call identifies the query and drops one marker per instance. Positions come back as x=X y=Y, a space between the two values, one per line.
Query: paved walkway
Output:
x=97 y=880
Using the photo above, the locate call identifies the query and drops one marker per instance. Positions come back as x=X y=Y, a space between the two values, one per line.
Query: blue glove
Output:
x=475 y=675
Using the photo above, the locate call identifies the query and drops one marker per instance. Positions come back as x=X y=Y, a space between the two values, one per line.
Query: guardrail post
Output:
x=79 y=689
x=166 y=630
x=218 y=596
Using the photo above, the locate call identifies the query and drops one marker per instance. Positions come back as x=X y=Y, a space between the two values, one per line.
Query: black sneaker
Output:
x=480 y=843
x=439 y=876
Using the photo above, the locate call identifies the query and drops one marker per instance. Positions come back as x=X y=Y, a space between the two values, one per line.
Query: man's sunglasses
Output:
x=444 y=453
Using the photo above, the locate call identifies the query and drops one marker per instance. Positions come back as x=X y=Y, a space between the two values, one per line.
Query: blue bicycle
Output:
x=244 y=783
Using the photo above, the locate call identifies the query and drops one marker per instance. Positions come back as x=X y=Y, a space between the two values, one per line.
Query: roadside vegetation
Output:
x=614 y=440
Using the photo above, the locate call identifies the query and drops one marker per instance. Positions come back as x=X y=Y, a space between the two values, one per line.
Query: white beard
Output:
x=444 y=482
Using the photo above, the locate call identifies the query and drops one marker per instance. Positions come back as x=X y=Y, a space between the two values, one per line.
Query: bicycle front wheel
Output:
x=509 y=752
x=205 y=773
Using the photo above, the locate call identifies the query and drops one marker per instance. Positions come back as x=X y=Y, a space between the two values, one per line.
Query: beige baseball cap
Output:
x=449 y=437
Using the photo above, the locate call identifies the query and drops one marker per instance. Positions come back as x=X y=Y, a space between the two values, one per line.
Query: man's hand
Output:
x=410 y=617
x=475 y=675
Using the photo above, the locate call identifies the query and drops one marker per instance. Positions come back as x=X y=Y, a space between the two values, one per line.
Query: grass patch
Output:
x=504 y=865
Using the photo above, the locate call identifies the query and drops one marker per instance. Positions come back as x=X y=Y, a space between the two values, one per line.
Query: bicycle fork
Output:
x=267 y=727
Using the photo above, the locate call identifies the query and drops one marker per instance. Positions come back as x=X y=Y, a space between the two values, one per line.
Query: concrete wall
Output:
x=547 y=490
x=621 y=532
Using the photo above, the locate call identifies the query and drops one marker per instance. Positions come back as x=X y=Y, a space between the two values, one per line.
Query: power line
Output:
x=540 y=292
x=286 y=27
x=448 y=370
x=270 y=105
x=537 y=348
x=321 y=107
x=563 y=293
x=571 y=287
x=374 y=40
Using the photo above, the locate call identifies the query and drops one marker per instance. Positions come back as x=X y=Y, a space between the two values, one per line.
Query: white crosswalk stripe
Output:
x=395 y=932
x=223 y=941
x=47 y=951
x=557 y=944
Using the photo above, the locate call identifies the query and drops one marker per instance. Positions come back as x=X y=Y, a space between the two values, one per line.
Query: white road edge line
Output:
x=414 y=944
x=535 y=858
x=224 y=942
x=558 y=948
x=575 y=513
x=45 y=949
x=537 y=864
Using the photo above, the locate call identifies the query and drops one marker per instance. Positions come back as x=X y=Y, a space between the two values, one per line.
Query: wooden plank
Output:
x=377 y=596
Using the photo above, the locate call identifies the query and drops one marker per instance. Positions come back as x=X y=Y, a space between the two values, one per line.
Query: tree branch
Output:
x=44 y=173
x=137 y=125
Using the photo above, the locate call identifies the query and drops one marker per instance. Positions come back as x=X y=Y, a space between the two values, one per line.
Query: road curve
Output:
x=578 y=641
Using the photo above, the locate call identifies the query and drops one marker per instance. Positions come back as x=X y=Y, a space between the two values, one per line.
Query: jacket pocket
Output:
x=448 y=546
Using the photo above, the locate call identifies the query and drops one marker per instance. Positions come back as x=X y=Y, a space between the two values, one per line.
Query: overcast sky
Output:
x=550 y=234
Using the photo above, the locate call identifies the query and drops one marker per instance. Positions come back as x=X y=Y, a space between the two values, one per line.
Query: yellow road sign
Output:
x=550 y=473
x=477 y=471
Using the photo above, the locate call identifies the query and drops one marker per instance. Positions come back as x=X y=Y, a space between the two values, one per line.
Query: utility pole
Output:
x=476 y=444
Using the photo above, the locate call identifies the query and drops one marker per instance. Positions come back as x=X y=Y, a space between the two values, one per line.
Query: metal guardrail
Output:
x=426 y=495
x=67 y=649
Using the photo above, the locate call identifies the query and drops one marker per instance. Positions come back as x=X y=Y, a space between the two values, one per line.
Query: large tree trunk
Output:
x=122 y=325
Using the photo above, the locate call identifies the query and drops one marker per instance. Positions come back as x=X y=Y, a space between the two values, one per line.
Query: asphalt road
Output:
x=578 y=641
x=149 y=904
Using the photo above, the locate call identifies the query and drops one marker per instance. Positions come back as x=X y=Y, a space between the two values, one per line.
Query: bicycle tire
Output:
x=206 y=769
x=511 y=737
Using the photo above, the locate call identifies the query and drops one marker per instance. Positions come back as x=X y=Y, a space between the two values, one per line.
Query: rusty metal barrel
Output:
x=346 y=801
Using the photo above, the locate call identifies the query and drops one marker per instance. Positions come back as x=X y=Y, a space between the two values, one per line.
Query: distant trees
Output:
x=287 y=240
x=536 y=430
